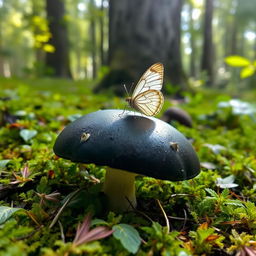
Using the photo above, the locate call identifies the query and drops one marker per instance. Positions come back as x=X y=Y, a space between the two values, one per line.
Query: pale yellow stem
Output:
x=119 y=188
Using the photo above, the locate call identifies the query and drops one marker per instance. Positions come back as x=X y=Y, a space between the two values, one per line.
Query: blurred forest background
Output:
x=115 y=41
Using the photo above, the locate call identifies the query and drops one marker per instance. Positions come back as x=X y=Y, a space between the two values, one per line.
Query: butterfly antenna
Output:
x=120 y=115
x=126 y=90
x=131 y=88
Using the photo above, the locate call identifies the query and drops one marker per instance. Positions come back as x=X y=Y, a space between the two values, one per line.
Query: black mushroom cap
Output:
x=129 y=141
x=177 y=114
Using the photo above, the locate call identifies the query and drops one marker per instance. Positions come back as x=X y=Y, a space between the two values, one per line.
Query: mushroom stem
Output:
x=119 y=188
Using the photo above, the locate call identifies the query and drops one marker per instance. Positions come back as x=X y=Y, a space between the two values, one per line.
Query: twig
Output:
x=185 y=219
x=63 y=207
x=165 y=216
x=174 y=195
x=138 y=211
x=179 y=218
x=61 y=232
x=29 y=235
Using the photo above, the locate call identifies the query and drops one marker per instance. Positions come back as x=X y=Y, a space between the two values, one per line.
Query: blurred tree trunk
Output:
x=39 y=53
x=192 y=60
x=207 y=54
x=2 y=11
x=140 y=34
x=93 y=38
x=102 y=34
x=241 y=49
x=58 y=61
x=174 y=68
x=234 y=36
x=254 y=47
x=1 y=52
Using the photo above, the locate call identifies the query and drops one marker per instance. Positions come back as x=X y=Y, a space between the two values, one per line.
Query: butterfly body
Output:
x=147 y=97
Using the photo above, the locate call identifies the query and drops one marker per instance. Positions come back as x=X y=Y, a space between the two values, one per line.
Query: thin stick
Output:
x=140 y=212
x=62 y=208
x=174 y=195
x=29 y=235
x=61 y=232
x=165 y=216
x=185 y=221
x=179 y=218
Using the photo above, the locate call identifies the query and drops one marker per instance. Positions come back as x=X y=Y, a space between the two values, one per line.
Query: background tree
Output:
x=192 y=60
x=93 y=42
x=207 y=54
x=140 y=34
x=174 y=69
x=58 y=61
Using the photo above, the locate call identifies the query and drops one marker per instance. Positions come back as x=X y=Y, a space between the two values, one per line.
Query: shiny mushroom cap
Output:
x=131 y=142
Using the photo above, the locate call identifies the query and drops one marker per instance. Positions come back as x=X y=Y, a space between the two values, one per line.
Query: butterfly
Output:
x=146 y=97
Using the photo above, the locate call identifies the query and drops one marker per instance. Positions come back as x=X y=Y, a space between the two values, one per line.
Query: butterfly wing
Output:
x=152 y=79
x=149 y=102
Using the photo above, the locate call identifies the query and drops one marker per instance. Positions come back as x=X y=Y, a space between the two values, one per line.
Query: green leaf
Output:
x=6 y=212
x=237 y=61
x=234 y=202
x=211 y=192
x=225 y=193
x=128 y=236
x=247 y=71
x=99 y=222
x=27 y=134
x=4 y=162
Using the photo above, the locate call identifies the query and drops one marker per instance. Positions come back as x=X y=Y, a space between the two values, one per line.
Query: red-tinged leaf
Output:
x=203 y=226
x=232 y=222
x=95 y=234
x=25 y=172
x=212 y=238
x=82 y=229
x=51 y=174
x=33 y=217
x=249 y=251
x=55 y=157
x=53 y=197
x=16 y=125
x=253 y=243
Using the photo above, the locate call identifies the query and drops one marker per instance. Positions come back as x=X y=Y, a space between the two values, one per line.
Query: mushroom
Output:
x=128 y=143
x=177 y=114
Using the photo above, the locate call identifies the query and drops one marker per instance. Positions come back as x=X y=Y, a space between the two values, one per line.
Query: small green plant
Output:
x=217 y=203
x=242 y=244
x=204 y=240
x=160 y=240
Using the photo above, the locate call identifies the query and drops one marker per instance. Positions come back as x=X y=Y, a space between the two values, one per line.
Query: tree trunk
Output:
x=102 y=36
x=93 y=38
x=192 y=60
x=58 y=61
x=2 y=61
x=1 y=51
x=254 y=47
x=234 y=37
x=174 y=69
x=140 y=34
x=207 y=55
x=39 y=53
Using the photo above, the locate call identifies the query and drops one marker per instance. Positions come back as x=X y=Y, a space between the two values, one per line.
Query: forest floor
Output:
x=43 y=197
